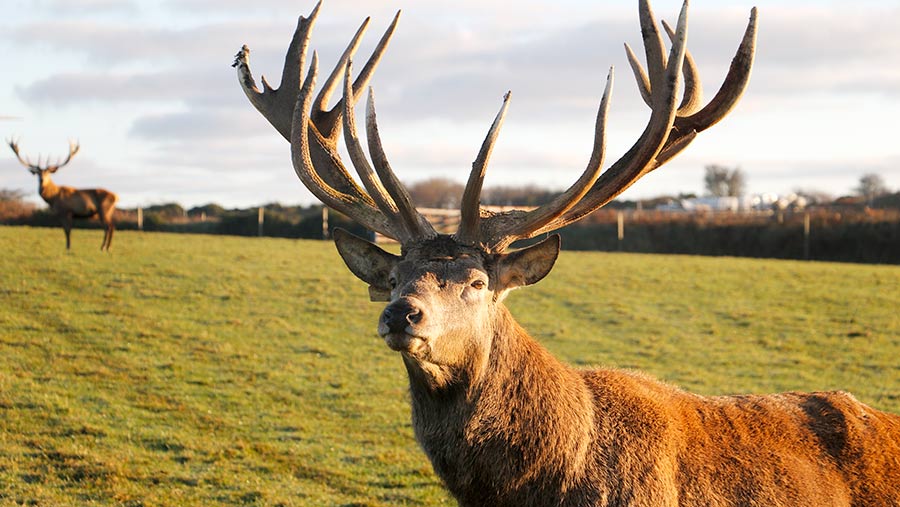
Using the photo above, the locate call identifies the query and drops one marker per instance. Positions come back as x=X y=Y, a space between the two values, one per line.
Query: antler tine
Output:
x=73 y=150
x=538 y=218
x=470 y=208
x=653 y=44
x=686 y=127
x=653 y=50
x=329 y=121
x=357 y=156
x=693 y=88
x=277 y=105
x=338 y=72
x=14 y=144
x=74 y=146
x=301 y=157
x=416 y=225
x=365 y=75
x=733 y=86
x=643 y=83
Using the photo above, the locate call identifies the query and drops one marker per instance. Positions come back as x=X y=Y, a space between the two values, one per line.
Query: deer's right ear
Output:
x=368 y=262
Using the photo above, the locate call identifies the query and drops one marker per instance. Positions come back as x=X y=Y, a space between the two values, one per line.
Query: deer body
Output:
x=510 y=425
x=503 y=422
x=617 y=438
x=69 y=203
x=78 y=203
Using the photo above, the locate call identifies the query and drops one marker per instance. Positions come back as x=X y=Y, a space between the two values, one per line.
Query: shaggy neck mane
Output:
x=47 y=188
x=525 y=418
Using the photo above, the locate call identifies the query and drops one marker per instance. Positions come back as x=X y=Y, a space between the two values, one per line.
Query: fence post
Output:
x=324 y=222
x=262 y=214
x=620 y=218
x=806 y=236
x=140 y=220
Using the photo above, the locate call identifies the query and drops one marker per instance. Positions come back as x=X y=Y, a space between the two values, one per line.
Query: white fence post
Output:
x=806 y=236
x=620 y=218
x=262 y=214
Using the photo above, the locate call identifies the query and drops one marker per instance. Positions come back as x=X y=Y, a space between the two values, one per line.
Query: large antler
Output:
x=385 y=205
x=669 y=131
x=73 y=150
x=313 y=132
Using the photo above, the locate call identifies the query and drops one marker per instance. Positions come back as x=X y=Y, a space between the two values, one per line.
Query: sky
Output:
x=147 y=88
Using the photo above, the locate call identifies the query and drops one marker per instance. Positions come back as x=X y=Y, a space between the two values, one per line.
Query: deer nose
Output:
x=400 y=314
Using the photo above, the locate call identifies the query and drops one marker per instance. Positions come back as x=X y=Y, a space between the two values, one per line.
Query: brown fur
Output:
x=506 y=424
x=535 y=432
x=70 y=203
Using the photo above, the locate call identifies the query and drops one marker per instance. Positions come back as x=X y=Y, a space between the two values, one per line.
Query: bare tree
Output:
x=11 y=195
x=503 y=422
x=436 y=193
x=871 y=186
x=721 y=181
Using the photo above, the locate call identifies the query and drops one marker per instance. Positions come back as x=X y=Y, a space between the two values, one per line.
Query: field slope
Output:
x=203 y=370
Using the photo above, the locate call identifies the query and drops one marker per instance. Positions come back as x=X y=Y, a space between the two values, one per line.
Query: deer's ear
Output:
x=528 y=265
x=368 y=262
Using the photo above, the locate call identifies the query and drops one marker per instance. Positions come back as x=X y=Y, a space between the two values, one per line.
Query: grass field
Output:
x=205 y=370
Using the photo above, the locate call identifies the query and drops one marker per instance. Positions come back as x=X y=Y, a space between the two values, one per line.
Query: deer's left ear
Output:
x=528 y=265
x=368 y=262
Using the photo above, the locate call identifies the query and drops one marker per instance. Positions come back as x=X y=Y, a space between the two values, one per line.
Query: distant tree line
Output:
x=860 y=228
x=445 y=193
x=839 y=234
x=279 y=220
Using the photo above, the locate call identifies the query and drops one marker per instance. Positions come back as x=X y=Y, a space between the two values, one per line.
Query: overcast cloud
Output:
x=147 y=88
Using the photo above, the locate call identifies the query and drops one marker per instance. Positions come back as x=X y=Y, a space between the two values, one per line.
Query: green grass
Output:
x=204 y=370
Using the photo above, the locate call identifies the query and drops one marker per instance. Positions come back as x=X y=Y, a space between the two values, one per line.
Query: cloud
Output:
x=199 y=85
x=110 y=44
x=87 y=7
x=201 y=124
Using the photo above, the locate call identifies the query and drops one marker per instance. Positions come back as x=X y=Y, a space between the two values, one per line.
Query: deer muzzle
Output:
x=400 y=325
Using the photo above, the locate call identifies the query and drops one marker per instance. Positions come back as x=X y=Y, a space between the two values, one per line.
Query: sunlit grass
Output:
x=204 y=370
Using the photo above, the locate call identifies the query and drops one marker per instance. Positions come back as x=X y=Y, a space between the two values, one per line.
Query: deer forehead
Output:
x=443 y=259
x=441 y=269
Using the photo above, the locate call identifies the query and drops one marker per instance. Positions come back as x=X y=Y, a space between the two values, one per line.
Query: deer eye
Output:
x=393 y=283
x=478 y=284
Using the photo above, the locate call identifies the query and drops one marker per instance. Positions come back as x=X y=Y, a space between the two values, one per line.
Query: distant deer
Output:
x=69 y=203
x=503 y=422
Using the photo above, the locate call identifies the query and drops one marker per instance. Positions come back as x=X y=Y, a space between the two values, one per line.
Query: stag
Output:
x=69 y=203
x=503 y=422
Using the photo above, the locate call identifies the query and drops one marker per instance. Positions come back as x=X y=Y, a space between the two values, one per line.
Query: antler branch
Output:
x=14 y=144
x=470 y=208
x=74 y=146
x=325 y=176
x=670 y=128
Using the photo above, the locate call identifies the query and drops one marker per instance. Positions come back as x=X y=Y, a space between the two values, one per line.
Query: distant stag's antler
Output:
x=385 y=205
x=46 y=166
